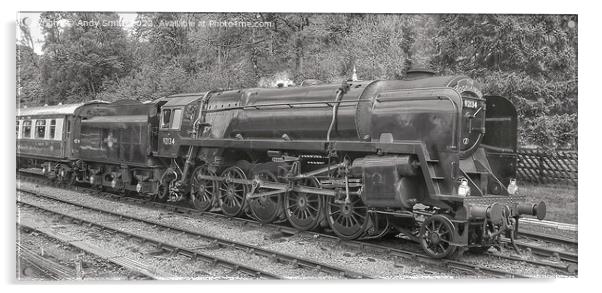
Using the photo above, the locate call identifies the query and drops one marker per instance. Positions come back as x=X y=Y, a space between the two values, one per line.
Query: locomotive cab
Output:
x=176 y=122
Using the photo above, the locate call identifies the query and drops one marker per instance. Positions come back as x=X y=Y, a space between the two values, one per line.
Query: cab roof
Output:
x=182 y=99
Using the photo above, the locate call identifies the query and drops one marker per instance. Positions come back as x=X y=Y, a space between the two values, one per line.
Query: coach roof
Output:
x=67 y=109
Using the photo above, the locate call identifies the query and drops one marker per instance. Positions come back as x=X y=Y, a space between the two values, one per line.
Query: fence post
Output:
x=540 y=178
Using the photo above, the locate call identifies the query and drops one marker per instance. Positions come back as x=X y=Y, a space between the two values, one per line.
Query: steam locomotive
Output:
x=426 y=156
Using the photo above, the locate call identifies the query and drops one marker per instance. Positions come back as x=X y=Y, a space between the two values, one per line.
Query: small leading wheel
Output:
x=436 y=235
x=266 y=208
x=304 y=210
x=203 y=192
x=348 y=219
x=232 y=194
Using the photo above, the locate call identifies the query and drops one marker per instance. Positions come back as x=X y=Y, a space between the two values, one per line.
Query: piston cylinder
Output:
x=387 y=180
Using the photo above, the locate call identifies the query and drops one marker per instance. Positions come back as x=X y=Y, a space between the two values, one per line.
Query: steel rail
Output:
x=97 y=252
x=51 y=269
x=356 y=243
x=547 y=252
x=273 y=255
x=548 y=237
x=398 y=253
x=551 y=224
x=570 y=268
x=194 y=255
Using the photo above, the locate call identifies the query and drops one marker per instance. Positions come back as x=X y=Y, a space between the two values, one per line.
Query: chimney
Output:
x=418 y=73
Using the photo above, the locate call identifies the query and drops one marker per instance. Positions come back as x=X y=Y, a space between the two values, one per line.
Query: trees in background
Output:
x=80 y=58
x=532 y=59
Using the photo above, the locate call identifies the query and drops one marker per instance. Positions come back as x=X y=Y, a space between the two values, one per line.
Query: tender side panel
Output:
x=113 y=142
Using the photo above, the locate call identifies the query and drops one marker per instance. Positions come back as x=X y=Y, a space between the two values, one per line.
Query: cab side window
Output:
x=171 y=118
x=166 y=118
x=40 y=128
x=177 y=119
x=26 y=131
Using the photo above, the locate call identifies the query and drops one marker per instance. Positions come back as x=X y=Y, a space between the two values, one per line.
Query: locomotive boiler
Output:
x=426 y=156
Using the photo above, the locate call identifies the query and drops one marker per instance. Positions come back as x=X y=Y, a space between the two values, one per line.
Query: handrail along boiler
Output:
x=427 y=156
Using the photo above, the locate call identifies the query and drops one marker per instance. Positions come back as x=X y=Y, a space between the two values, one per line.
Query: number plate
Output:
x=470 y=104
x=169 y=140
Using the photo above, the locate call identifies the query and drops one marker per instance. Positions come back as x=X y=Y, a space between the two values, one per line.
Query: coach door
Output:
x=63 y=130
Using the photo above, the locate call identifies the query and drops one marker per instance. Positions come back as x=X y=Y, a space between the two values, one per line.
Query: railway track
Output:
x=30 y=261
x=136 y=267
x=548 y=238
x=550 y=224
x=362 y=245
x=548 y=252
x=195 y=254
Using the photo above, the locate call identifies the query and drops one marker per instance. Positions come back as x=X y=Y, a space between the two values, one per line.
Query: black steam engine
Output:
x=430 y=157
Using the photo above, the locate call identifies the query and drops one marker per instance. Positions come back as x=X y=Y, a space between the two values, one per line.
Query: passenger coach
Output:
x=44 y=136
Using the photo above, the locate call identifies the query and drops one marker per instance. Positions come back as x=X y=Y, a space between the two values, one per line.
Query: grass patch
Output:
x=561 y=200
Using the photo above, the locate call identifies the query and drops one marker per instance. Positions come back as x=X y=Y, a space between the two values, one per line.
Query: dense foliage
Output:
x=530 y=59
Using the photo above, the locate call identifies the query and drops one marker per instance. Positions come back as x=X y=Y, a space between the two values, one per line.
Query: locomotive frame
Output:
x=366 y=159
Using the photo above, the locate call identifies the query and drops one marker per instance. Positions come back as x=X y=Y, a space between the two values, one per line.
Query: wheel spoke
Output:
x=312 y=208
x=338 y=217
x=353 y=221
x=441 y=246
x=305 y=214
x=358 y=214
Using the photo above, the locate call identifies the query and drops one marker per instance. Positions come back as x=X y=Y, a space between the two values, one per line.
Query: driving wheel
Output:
x=304 y=210
x=232 y=194
x=203 y=192
x=266 y=208
x=348 y=219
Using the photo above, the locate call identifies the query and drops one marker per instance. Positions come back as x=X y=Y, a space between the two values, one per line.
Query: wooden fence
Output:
x=538 y=166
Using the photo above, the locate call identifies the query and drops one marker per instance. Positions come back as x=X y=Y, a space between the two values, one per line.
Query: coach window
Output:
x=40 y=128
x=18 y=124
x=166 y=118
x=26 y=129
x=52 y=128
x=177 y=119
